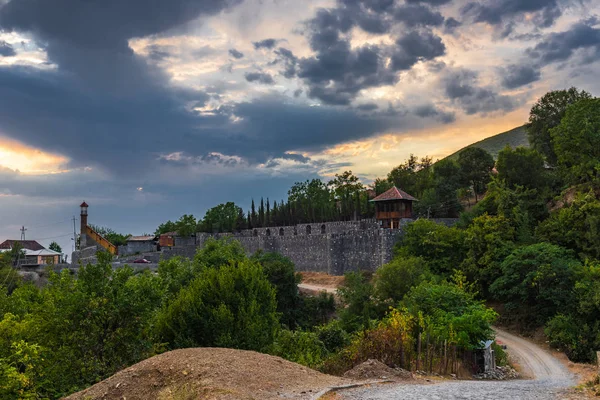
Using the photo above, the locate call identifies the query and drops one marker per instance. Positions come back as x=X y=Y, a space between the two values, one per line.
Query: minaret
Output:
x=83 y=227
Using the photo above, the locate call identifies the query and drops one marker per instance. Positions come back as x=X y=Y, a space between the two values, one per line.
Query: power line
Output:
x=50 y=224
x=54 y=237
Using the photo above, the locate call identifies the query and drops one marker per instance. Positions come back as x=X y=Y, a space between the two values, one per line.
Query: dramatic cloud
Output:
x=260 y=77
x=236 y=54
x=6 y=50
x=430 y=111
x=414 y=47
x=265 y=44
x=514 y=76
x=543 y=12
x=560 y=46
x=461 y=86
x=416 y=14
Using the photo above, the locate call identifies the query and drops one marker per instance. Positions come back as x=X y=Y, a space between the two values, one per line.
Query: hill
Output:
x=211 y=373
x=515 y=137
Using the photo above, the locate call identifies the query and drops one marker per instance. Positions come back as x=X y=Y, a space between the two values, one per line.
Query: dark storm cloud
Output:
x=431 y=111
x=495 y=12
x=560 y=46
x=6 y=50
x=461 y=86
x=514 y=76
x=236 y=54
x=157 y=52
x=417 y=14
x=289 y=60
x=432 y=2
x=414 y=47
x=265 y=44
x=451 y=24
x=367 y=107
x=337 y=73
x=260 y=77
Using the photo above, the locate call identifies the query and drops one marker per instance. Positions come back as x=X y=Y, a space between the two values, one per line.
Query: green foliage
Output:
x=186 y=225
x=280 y=271
x=413 y=176
x=576 y=227
x=175 y=274
x=299 y=346
x=546 y=114
x=357 y=295
x=222 y=218
x=516 y=137
x=501 y=355
x=536 y=282
x=346 y=189
x=441 y=200
x=521 y=167
x=489 y=240
x=394 y=280
x=315 y=310
x=576 y=142
x=55 y=247
x=218 y=253
x=440 y=246
x=476 y=166
x=567 y=334
x=231 y=306
x=167 y=227
x=333 y=335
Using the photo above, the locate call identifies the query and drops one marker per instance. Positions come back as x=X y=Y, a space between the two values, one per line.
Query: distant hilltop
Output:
x=494 y=144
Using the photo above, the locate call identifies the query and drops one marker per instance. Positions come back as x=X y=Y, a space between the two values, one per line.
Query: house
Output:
x=35 y=253
x=392 y=206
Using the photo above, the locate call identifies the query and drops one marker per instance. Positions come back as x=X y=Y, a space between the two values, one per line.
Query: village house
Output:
x=35 y=253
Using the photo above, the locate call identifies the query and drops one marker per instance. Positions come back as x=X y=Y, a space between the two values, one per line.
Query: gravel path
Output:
x=550 y=378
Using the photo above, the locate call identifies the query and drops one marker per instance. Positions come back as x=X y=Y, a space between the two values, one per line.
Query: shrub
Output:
x=232 y=306
x=393 y=280
x=301 y=347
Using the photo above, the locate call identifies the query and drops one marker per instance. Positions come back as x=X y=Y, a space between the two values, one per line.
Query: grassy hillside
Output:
x=493 y=145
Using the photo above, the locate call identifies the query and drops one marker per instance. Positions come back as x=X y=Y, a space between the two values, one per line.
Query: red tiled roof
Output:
x=27 y=244
x=84 y=204
x=394 y=194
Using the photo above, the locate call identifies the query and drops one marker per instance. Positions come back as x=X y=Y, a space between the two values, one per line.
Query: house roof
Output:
x=140 y=238
x=394 y=194
x=26 y=244
x=169 y=234
x=43 y=252
x=84 y=204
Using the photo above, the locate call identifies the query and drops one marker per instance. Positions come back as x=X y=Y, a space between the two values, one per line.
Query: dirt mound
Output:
x=211 y=373
x=374 y=369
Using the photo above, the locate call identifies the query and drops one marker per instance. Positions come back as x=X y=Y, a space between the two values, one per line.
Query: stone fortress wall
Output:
x=332 y=247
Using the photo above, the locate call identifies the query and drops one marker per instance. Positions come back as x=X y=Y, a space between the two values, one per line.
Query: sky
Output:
x=150 y=109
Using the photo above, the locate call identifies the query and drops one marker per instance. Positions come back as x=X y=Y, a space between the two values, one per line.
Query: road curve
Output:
x=548 y=380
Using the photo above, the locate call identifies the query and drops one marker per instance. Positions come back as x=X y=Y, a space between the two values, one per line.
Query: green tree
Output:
x=222 y=218
x=442 y=199
x=232 y=306
x=442 y=247
x=357 y=296
x=345 y=188
x=476 y=164
x=186 y=225
x=546 y=114
x=281 y=273
x=166 y=227
x=217 y=253
x=489 y=239
x=55 y=247
x=395 y=279
x=575 y=226
x=521 y=167
x=576 y=142
x=536 y=282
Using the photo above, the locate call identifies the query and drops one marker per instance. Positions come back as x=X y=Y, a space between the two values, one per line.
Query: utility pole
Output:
x=23 y=230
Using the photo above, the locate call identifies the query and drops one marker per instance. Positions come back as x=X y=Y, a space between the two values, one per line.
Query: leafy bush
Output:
x=394 y=279
x=500 y=354
x=299 y=346
x=569 y=335
x=537 y=281
x=231 y=306
x=315 y=310
x=357 y=295
x=333 y=335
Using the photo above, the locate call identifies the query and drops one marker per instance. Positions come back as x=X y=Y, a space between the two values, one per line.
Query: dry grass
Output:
x=322 y=279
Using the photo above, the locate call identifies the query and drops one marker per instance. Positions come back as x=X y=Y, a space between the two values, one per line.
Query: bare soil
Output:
x=374 y=369
x=211 y=373
x=322 y=279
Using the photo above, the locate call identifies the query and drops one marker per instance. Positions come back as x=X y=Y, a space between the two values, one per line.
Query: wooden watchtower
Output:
x=392 y=206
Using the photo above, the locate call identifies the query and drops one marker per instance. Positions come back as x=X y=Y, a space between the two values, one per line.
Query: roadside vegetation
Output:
x=531 y=244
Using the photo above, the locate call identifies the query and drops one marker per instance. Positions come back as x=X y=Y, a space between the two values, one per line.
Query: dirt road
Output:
x=549 y=379
x=316 y=288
